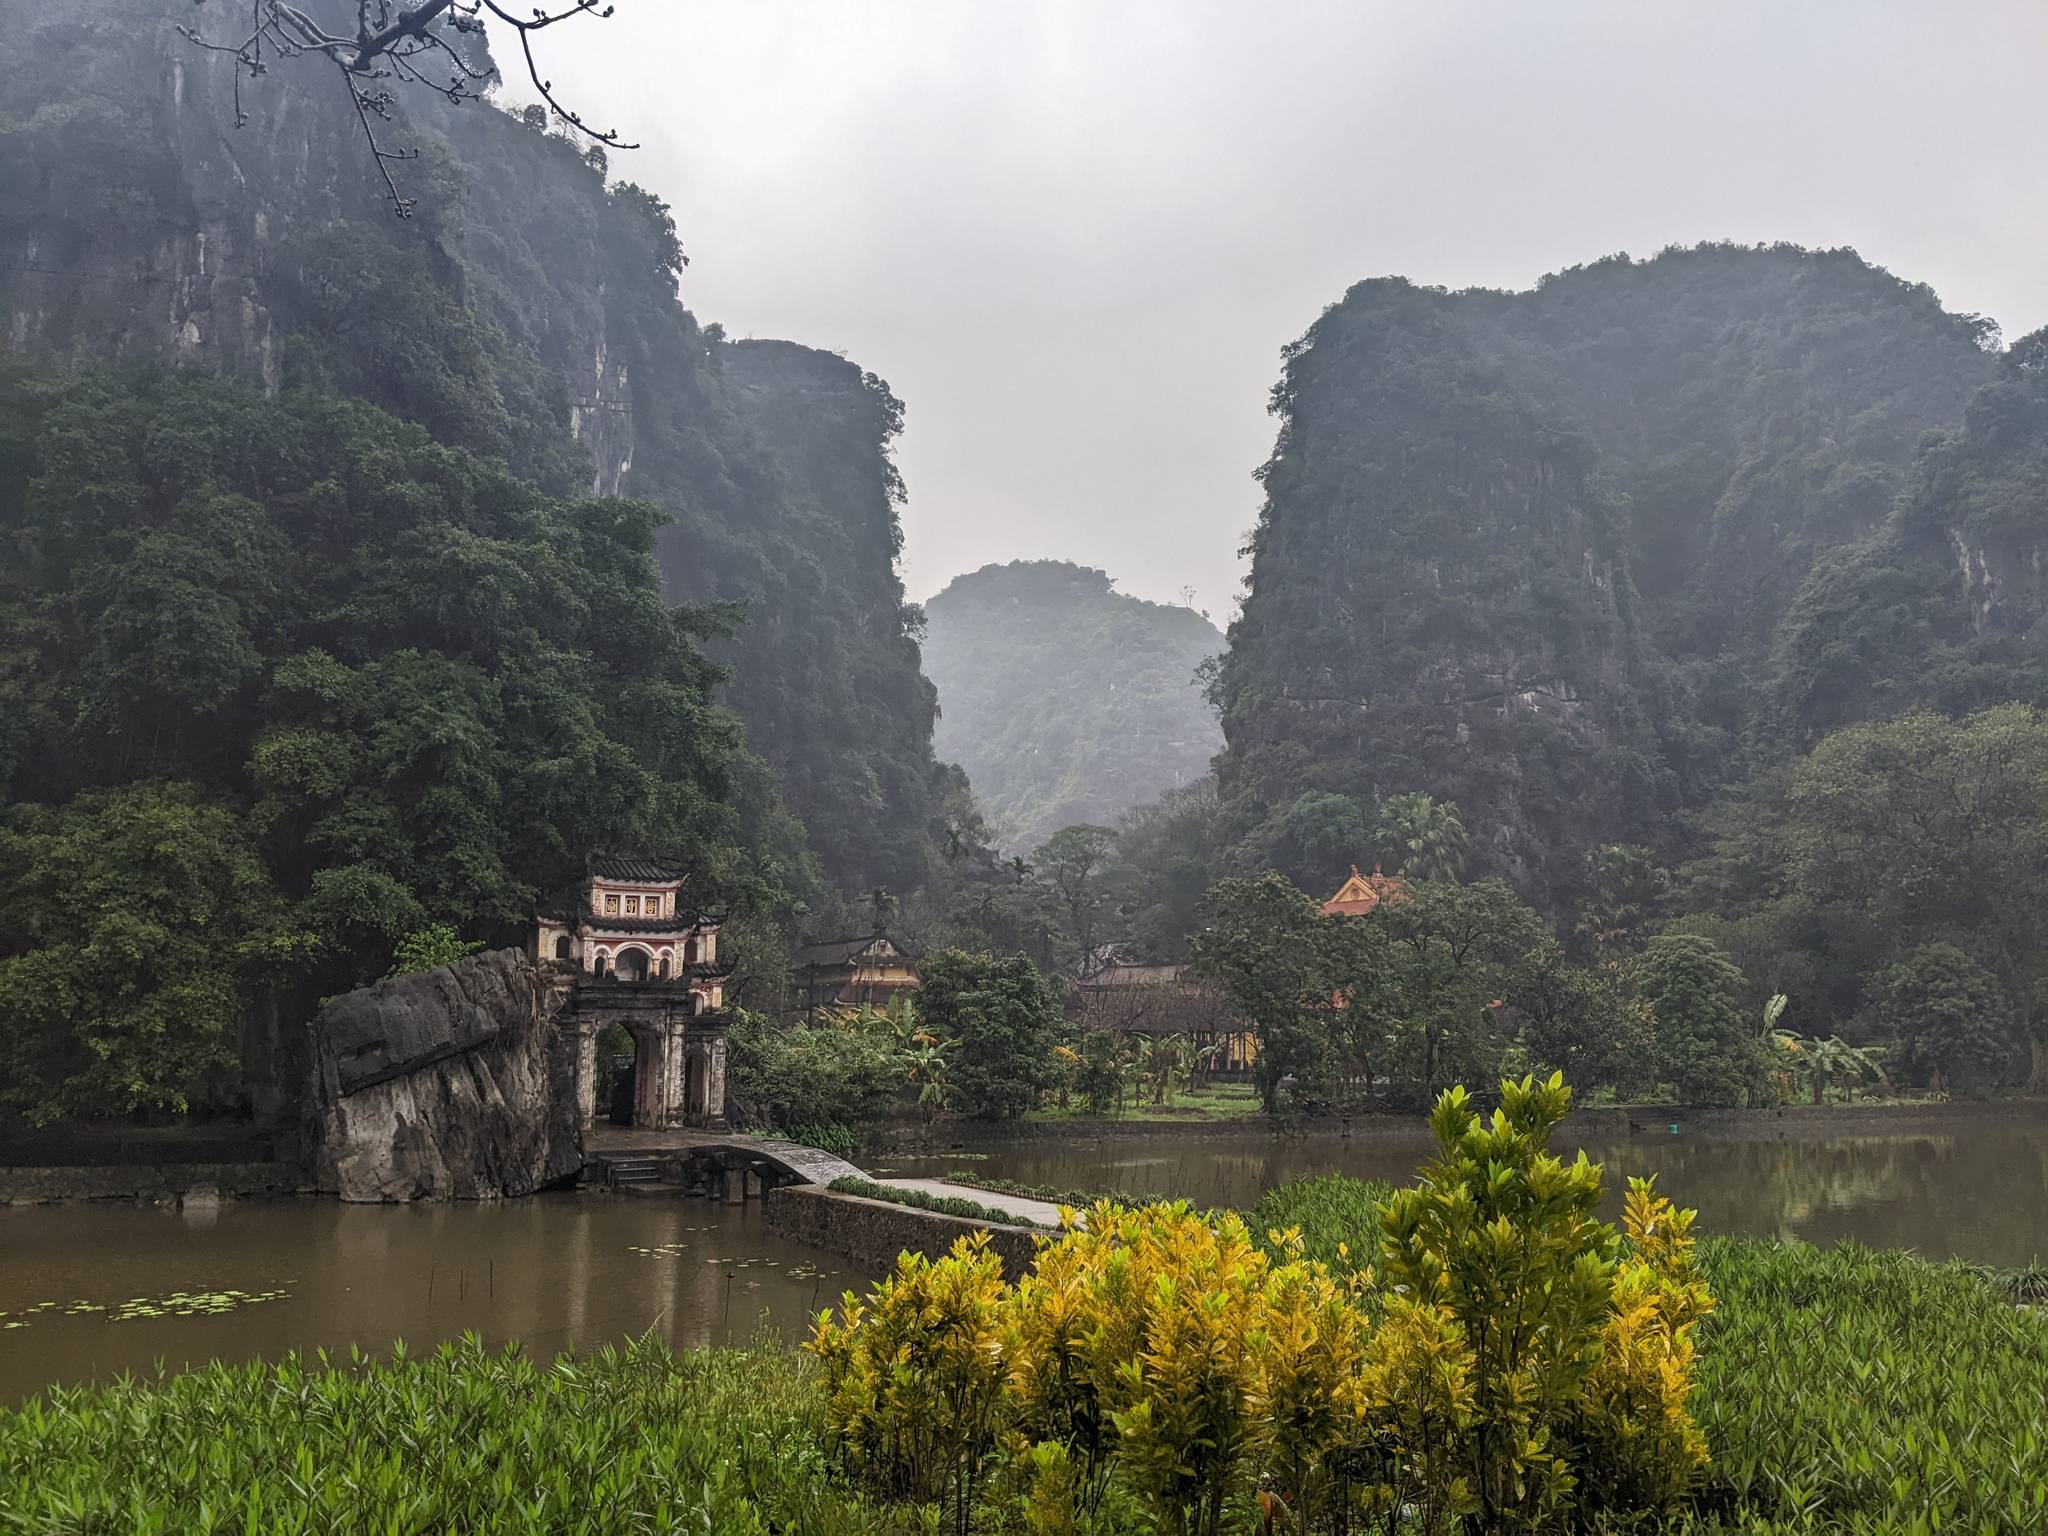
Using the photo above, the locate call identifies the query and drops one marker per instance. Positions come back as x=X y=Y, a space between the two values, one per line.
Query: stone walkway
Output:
x=1043 y=1212
x=807 y=1163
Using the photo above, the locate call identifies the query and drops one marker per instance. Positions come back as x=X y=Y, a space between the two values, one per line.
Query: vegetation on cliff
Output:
x=284 y=681
x=1571 y=557
x=528 y=313
x=1065 y=700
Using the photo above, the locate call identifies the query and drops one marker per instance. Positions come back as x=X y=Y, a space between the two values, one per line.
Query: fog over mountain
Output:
x=1074 y=237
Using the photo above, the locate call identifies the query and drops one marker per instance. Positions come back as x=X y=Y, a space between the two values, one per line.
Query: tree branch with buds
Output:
x=396 y=45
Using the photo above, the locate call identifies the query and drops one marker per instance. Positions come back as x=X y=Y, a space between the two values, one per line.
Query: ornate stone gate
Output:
x=679 y=1050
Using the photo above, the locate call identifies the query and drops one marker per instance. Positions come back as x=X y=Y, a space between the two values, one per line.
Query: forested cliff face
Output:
x=1065 y=700
x=527 y=312
x=1577 y=557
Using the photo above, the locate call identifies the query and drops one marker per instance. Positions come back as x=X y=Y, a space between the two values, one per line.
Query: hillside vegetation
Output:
x=1065 y=700
x=1578 y=558
x=527 y=313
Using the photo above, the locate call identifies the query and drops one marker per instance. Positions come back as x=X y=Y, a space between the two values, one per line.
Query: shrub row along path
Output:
x=1043 y=1212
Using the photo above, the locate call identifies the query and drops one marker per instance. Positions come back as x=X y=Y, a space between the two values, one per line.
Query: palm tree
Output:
x=1421 y=838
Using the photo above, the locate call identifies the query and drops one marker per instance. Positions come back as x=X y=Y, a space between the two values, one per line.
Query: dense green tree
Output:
x=419 y=689
x=1314 y=841
x=1707 y=1045
x=134 y=923
x=1952 y=1022
x=1459 y=957
x=1167 y=855
x=810 y=1078
x=1072 y=864
x=1298 y=977
x=1586 y=1022
x=1927 y=829
x=1621 y=893
x=1004 y=1018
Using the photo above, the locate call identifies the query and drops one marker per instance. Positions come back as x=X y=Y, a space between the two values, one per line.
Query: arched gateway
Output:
x=634 y=955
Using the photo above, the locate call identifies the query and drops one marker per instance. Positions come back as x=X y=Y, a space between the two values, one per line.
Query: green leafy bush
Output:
x=1337 y=1217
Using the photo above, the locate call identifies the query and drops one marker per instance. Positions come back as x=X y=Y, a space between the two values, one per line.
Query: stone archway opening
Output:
x=697 y=1086
x=632 y=963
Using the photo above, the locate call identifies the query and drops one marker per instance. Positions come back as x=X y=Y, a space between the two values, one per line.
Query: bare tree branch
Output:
x=390 y=39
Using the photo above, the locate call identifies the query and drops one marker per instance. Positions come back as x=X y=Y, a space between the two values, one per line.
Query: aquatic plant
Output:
x=1850 y=1387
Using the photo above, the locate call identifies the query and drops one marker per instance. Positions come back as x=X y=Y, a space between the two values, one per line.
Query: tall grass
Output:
x=1861 y=1389
x=626 y=1440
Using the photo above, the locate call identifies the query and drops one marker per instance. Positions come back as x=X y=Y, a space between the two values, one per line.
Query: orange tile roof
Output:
x=1361 y=893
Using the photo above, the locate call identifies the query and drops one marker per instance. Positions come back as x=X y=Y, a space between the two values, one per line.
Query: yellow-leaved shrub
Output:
x=1519 y=1366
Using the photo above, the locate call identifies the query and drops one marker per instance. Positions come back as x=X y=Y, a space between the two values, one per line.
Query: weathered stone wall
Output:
x=873 y=1232
x=452 y=1084
x=158 y=1182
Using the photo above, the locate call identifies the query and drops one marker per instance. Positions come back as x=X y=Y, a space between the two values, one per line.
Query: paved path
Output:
x=1043 y=1212
x=807 y=1164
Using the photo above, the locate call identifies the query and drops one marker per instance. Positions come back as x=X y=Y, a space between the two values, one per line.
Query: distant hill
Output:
x=1065 y=700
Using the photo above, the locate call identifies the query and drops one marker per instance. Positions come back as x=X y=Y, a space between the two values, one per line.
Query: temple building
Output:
x=638 y=957
x=844 y=973
x=1125 y=997
x=1363 y=893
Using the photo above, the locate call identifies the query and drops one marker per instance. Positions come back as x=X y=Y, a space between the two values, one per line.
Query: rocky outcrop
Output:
x=451 y=1084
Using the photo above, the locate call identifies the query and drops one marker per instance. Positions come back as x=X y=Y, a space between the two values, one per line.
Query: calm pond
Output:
x=93 y=1290
x=554 y=1271
x=1974 y=1186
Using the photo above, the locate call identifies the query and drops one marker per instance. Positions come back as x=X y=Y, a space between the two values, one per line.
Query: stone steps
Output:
x=632 y=1170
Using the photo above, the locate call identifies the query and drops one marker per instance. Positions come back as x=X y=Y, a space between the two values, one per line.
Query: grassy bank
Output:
x=1185 y=1106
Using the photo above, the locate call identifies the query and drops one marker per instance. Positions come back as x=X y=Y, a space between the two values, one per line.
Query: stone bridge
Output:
x=772 y=1162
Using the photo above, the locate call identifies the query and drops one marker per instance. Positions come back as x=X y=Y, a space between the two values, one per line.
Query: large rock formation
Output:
x=1540 y=553
x=528 y=311
x=451 y=1084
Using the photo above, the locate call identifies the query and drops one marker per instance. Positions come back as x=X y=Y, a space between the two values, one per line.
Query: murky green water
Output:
x=101 y=1289
x=555 y=1271
x=1975 y=1188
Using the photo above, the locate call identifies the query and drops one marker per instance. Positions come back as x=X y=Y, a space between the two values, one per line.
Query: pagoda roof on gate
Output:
x=631 y=868
x=1363 y=893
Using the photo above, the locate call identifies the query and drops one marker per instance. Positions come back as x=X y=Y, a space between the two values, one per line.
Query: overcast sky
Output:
x=1074 y=236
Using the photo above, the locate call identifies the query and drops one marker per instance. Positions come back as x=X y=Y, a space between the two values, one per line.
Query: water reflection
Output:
x=1978 y=1189
x=555 y=1271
